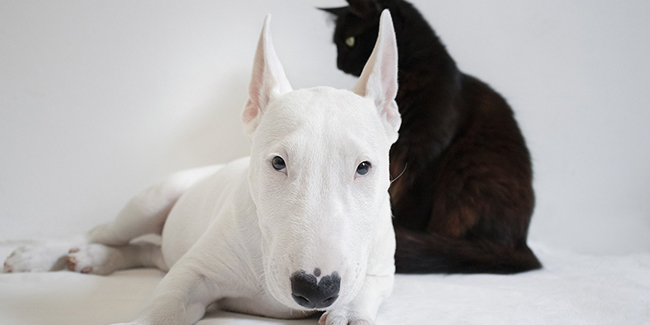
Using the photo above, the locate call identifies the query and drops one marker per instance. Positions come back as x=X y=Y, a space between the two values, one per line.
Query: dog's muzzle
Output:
x=308 y=292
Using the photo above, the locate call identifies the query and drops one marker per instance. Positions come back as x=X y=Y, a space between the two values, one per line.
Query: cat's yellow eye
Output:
x=349 y=41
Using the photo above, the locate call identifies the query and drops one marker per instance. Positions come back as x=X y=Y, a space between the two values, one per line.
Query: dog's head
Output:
x=319 y=173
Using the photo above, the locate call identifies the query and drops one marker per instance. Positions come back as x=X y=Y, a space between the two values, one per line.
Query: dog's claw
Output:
x=71 y=262
x=7 y=268
x=342 y=319
x=87 y=269
x=73 y=250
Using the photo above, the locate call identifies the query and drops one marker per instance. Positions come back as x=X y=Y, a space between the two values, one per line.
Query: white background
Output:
x=99 y=99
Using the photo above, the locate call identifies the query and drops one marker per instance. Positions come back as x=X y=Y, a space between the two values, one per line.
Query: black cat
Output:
x=464 y=199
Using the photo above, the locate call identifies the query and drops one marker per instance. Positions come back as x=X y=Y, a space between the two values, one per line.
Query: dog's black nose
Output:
x=308 y=292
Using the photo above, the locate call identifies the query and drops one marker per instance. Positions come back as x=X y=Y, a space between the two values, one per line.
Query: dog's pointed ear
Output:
x=267 y=80
x=378 y=81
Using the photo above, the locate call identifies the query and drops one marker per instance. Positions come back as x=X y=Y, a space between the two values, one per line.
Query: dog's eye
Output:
x=349 y=41
x=363 y=168
x=278 y=163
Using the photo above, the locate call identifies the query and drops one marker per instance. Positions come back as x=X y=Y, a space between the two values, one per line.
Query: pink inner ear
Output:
x=391 y=115
x=267 y=77
x=250 y=111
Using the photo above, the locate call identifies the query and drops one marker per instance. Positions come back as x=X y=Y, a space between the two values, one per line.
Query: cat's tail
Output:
x=419 y=252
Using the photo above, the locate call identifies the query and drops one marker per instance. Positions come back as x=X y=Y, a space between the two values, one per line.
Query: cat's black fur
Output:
x=464 y=201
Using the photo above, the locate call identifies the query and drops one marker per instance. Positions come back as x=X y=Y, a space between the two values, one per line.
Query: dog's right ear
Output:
x=267 y=80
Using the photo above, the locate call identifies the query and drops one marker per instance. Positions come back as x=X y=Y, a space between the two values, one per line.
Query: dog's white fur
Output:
x=236 y=233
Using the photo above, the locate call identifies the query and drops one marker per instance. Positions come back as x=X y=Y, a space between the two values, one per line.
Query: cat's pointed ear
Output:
x=378 y=81
x=267 y=80
x=339 y=11
x=365 y=9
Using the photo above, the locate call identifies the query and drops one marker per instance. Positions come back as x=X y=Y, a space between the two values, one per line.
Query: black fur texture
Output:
x=464 y=200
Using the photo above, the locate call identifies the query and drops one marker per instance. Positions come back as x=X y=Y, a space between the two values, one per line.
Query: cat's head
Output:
x=355 y=34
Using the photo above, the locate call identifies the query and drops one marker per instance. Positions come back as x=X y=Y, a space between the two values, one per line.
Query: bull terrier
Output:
x=302 y=225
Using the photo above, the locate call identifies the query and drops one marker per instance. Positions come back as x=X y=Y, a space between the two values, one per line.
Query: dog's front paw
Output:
x=94 y=259
x=36 y=258
x=344 y=317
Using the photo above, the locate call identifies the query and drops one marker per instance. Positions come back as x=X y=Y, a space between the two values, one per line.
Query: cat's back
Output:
x=490 y=145
x=489 y=116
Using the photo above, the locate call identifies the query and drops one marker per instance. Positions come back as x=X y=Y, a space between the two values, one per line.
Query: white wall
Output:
x=98 y=99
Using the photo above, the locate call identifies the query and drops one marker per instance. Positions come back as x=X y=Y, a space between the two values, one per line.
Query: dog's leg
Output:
x=103 y=260
x=144 y=214
x=363 y=309
x=181 y=297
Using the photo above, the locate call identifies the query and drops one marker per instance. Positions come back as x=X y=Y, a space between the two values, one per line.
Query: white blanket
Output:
x=571 y=289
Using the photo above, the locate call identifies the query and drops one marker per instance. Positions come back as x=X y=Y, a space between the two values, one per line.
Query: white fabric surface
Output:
x=571 y=289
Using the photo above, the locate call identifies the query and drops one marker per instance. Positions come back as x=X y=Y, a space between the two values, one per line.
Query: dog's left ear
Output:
x=267 y=80
x=378 y=80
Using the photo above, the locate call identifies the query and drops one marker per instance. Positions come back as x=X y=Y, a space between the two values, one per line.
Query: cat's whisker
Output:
x=400 y=174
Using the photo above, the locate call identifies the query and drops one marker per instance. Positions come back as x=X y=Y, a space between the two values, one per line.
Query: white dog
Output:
x=303 y=224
